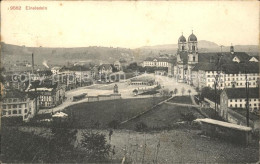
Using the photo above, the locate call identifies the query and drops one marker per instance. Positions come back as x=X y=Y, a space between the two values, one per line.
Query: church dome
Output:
x=182 y=39
x=192 y=38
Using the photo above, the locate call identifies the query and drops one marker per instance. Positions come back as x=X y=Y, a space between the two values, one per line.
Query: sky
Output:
x=129 y=24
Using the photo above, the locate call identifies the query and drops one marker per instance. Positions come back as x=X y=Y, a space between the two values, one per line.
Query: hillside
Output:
x=97 y=54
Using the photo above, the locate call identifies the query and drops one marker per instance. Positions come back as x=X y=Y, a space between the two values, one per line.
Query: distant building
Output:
x=55 y=70
x=142 y=81
x=192 y=65
x=105 y=69
x=19 y=104
x=236 y=98
x=117 y=65
x=231 y=75
x=156 y=62
x=50 y=95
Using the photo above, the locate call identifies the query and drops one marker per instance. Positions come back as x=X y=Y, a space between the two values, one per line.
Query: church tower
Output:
x=182 y=44
x=193 y=49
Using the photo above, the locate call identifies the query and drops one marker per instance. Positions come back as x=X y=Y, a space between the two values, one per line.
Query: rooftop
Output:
x=234 y=93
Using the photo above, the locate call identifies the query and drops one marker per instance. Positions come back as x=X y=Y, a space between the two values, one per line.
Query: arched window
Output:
x=193 y=48
x=194 y=58
x=182 y=48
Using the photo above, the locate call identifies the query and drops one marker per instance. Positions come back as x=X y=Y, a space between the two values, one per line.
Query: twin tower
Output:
x=191 y=50
x=192 y=44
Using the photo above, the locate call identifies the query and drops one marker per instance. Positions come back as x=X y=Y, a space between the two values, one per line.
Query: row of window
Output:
x=10 y=112
x=240 y=74
x=233 y=85
x=242 y=105
x=158 y=63
x=46 y=103
x=10 y=100
x=14 y=106
x=45 y=98
x=240 y=100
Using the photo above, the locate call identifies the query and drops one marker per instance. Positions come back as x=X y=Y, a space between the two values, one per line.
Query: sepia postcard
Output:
x=129 y=82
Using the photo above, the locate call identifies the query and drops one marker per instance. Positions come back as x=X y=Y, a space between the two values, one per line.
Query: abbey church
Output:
x=187 y=57
x=200 y=69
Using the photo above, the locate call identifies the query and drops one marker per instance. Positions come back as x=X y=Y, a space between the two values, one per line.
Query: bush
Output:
x=141 y=126
x=95 y=146
x=188 y=117
x=113 y=124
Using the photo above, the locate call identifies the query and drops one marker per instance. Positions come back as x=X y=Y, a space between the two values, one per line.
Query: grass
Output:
x=243 y=112
x=149 y=93
x=181 y=99
x=212 y=114
x=179 y=146
x=99 y=114
x=164 y=116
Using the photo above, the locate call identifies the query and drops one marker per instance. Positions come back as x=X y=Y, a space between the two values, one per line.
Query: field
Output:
x=178 y=146
x=163 y=116
x=181 y=99
x=99 y=114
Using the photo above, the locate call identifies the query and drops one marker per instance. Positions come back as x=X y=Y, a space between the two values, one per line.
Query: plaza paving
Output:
x=125 y=90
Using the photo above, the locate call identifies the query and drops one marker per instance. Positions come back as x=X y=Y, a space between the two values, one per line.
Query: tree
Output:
x=95 y=146
x=175 y=91
x=182 y=91
x=62 y=141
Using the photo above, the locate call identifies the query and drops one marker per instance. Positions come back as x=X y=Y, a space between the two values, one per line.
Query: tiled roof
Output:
x=235 y=68
x=226 y=58
x=229 y=68
x=234 y=93
x=205 y=67
x=242 y=56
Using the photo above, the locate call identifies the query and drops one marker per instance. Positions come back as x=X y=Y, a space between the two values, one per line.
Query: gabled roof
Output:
x=257 y=57
x=236 y=93
x=226 y=58
x=242 y=56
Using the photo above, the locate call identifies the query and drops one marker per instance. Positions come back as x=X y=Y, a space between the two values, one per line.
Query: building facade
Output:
x=19 y=104
x=236 y=98
x=50 y=95
x=156 y=62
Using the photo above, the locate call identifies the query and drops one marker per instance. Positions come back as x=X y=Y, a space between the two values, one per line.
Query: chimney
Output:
x=232 y=49
x=32 y=63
